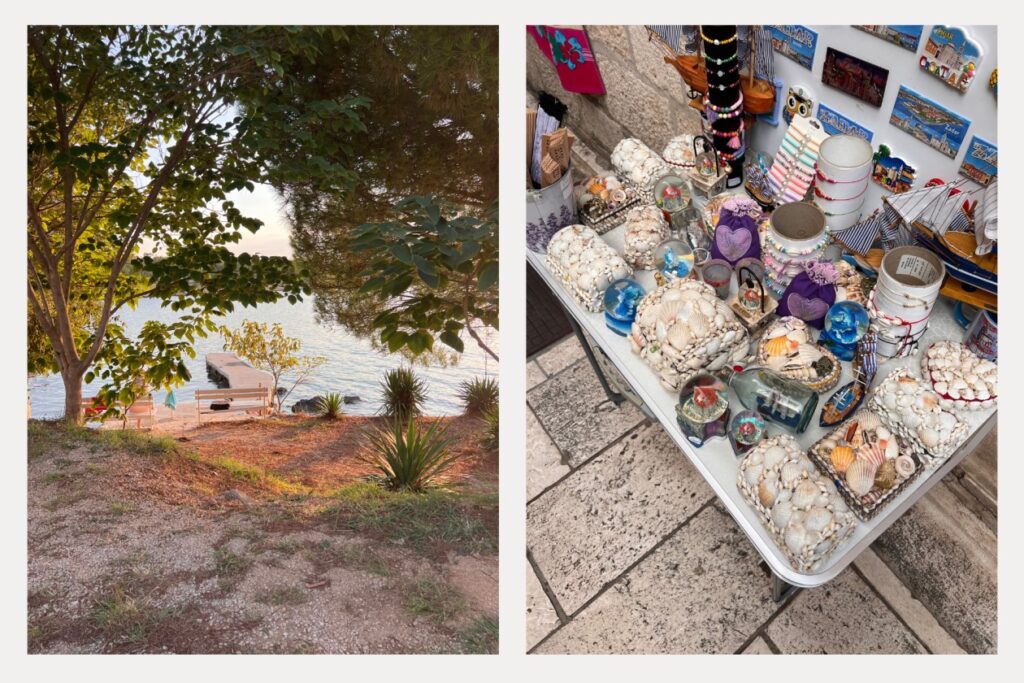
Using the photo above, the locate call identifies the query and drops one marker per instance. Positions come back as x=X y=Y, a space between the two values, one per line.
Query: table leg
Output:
x=782 y=591
x=613 y=396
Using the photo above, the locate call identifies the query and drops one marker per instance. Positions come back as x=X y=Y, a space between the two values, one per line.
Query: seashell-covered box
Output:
x=585 y=264
x=786 y=348
x=638 y=163
x=646 y=228
x=963 y=380
x=913 y=411
x=868 y=463
x=800 y=507
x=682 y=328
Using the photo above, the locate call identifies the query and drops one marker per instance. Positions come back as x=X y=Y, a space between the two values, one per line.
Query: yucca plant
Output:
x=478 y=395
x=330 y=404
x=490 y=437
x=404 y=394
x=410 y=459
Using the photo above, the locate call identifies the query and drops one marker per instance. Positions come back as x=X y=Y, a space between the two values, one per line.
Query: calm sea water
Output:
x=352 y=367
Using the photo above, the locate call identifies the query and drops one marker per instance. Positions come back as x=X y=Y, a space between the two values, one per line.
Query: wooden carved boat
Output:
x=847 y=399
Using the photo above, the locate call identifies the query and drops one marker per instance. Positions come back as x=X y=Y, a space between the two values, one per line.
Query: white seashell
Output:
x=805 y=494
x=795 y=538
x=782 y=511
x=667 y=311
x=860 y=476
x=699 y=324
x=720 y=320
x=679 y=336
x=905 y=466
x=882 y=433
x=713 y=346
x=790 y=473
x=660 y=330
x=941 y=387
x=817 y=519
x=928 y=436
x=892 y=449
x=707 y=308
x=672 y=295
x=767 y=492
x=773 y=456
x=868 y=420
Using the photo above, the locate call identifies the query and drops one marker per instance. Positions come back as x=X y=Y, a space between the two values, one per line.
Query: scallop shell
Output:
x=699 y=324
x=796 y=538
x=807 y=354
x=781 y=512
x=885 y=477
x=767 y=492
x=869 y=420
x=668 y=310
x=791 y=471
x=873 y=453
x=779 y=346
x=817 y=519
x=773 y=456
x=799 y=336
x=860 y=476
x=842 y=457
x=905 y=465
x=679 y=336
x=805 y=493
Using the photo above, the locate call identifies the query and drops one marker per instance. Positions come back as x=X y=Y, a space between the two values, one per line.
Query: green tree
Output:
x=431 y=131
x=267 y=348
x=137 y=135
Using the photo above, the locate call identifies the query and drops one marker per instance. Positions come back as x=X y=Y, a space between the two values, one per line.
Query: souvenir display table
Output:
x=716 y=460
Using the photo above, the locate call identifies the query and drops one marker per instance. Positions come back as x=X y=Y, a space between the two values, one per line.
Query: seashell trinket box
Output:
x=799 y=506
x=869 y=464
x=786 y=348
x=585 y=264
x=646 y=228
x=910 y=409
x=963 y=380
x=682 y=328
x=638 y=163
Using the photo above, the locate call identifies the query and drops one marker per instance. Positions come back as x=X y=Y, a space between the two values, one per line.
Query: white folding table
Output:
x=717 y=462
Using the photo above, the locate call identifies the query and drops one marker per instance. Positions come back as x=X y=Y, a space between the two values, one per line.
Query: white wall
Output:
x=978 y=104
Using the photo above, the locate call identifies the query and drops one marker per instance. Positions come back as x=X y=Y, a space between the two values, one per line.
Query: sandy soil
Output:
x=133 y=551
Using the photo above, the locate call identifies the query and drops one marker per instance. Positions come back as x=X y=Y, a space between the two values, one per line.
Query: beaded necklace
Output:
x=790 y=251
x=725 y=72
x=729 y=133
x=714 y=41
x=722 y=111
x=722 y=61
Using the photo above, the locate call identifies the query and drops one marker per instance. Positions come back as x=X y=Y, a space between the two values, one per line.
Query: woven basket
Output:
x=818 y=384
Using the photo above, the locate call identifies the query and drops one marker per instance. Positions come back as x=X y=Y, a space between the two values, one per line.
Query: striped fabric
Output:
x=960 y=223
x=860 y=236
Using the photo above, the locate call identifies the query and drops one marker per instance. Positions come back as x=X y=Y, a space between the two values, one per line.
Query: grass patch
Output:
x=119 y=509
x=357 y=557
x=63 y=500
x=230 y=565
x=480 y=637
x=123 y=617
x=254 y=475
x=46 y=436
x=419 y=519
x=435 y=599
x=283 y=595
x=137 y=443
x=54 y=477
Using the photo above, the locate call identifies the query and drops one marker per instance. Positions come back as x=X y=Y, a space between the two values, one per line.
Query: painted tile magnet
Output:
x=981 y=161
x=892 y=173
x=835 y=123
x=908 y=37
x=951 y=56
x=854 y=76
x=796 y=42
x=929 y=122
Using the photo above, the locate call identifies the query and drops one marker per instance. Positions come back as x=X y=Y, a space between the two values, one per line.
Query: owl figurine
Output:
x=798 y=103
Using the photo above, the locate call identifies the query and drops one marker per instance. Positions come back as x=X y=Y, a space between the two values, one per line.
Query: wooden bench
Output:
x=143 y=409
x=233 y=400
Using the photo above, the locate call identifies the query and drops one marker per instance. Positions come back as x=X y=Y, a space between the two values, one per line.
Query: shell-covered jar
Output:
x=638 y=163
x=585 y=264
x=867 y=461
x=962 y=379
x=800 y=507
x=646 y=228
x=910 y=409
x=786 y=347
x=682 y=328
x=679 y=151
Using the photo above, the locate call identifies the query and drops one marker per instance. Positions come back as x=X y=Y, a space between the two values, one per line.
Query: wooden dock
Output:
x=237 y=373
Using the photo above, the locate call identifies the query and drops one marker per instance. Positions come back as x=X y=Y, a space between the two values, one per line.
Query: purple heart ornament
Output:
x=732 y=243
x=806 y=309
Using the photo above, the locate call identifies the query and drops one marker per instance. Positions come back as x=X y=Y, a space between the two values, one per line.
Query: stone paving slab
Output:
x=577 y=414
x=544 y=464
x=758 y=647
x=947 y=556
x=607 y=514
x=534 y=375
x=560 y=356
x=700 y=592
x=843 y=616
x=541 y=618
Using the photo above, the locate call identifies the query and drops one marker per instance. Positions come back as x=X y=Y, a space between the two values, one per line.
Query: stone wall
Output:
x=644 y=97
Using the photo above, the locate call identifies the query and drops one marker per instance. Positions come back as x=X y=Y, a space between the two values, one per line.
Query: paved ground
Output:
x=629 y=552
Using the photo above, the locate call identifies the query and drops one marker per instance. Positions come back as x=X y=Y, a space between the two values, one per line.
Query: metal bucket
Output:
x=548 y=210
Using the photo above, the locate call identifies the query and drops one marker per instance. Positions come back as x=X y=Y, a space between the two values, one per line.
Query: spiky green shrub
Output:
x=404 y=394
x=330 y=404
x=410 y=459
x=490 y=437
x=478 y=395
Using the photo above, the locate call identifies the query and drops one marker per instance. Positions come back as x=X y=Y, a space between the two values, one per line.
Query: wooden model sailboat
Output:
x=758 y=84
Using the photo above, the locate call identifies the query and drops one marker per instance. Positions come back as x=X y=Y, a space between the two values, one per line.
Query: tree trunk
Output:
x=73 y=395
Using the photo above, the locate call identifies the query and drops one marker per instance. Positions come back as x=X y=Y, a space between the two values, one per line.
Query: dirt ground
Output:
x=256 y=537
